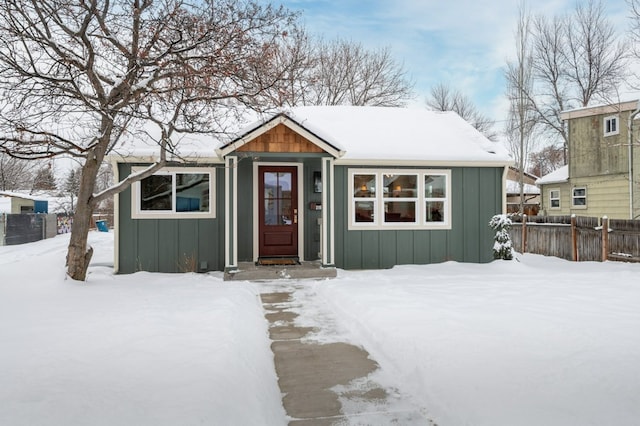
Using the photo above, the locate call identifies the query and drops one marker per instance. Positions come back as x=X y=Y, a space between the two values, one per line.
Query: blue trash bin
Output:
x=102 y=225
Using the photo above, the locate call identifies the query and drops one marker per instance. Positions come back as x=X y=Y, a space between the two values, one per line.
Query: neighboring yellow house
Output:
x=602 y=175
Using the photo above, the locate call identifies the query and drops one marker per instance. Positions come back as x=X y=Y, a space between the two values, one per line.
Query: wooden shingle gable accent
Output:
x=280 y=139
x=291 y=137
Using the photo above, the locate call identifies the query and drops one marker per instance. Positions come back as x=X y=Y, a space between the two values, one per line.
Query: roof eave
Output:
x=420 y=163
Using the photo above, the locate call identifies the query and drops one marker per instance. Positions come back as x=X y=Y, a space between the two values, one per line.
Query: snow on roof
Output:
x=143 y=143
x=24 y=196
x=513 y=187
x=360 y=133
x=557 y=176
x=404 y=134
x=56 y=204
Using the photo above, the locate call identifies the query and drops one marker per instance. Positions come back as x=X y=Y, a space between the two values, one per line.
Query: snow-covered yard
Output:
x=537 y=341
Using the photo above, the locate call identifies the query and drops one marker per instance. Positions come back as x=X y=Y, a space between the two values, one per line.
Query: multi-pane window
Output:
x=554 y=198
x=172 y=192
x=364 y=196
x=611 y=125
x=277 y=197
x=579 y=197
x=400 y=199
x=435 y=196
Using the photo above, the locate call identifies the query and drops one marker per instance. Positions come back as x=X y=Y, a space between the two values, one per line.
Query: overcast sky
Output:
x=461 y=42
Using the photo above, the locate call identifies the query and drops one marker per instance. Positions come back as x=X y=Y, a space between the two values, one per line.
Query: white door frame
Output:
x=256 y=215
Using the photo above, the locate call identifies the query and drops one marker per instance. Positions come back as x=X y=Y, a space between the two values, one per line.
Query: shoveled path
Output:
x=328 y=383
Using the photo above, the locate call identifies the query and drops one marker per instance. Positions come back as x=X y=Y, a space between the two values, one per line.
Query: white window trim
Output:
x=559 y=199
x=573 y=198
x=379 y=200
x=611 y=118
x=137 y=213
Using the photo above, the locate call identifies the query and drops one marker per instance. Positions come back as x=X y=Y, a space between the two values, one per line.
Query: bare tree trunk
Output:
x=79 y=253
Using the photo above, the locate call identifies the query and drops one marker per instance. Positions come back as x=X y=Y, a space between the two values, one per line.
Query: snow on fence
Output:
x=577 y=238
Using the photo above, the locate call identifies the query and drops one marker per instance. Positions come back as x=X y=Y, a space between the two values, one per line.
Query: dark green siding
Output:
x=170 y=245
x=245 y=210
x=476 y=197
x=311 y=217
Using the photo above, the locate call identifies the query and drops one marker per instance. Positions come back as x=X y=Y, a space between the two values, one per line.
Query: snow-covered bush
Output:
x=502 y=245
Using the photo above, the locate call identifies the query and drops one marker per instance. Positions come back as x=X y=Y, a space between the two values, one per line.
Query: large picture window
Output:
x=400 y=199
x=175 y=193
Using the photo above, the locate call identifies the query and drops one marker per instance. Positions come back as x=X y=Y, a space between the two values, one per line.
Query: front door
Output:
x=278 y=210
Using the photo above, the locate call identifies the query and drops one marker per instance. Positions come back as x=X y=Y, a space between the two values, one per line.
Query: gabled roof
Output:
x=560 y=175
x=260 y=127
x=352 y=135
x=355 y=134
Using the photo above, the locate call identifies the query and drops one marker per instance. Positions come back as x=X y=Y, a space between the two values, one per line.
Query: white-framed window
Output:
x=399 y=199
x=611 y=125
x=579 y=197
x=554 y=199
x=175 y=193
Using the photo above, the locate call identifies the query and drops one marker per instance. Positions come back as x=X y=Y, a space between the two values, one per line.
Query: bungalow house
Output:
x=350 y=187
x=601 y=176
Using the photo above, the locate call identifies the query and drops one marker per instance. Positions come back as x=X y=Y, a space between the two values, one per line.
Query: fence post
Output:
x=524 y=234
x=605 y=238
x=574 y=239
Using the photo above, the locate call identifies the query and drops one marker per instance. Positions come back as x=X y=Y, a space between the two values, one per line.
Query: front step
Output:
x=249 y=271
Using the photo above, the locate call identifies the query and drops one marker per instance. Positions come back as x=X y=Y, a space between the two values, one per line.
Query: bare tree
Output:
x=44 y=178
x=596 y=60
x=522 y=117
x=15 y=174
x=78 y=75
x=444 y=98
x=577 y=59
x=345 y=73
x=546 y=160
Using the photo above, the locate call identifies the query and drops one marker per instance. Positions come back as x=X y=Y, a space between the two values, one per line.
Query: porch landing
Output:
x=249 y=271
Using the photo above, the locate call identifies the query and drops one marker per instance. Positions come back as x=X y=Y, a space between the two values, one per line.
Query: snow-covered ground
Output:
x=142 y=349
x=537 y=341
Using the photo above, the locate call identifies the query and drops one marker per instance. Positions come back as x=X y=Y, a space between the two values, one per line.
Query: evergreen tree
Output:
x=502 y=248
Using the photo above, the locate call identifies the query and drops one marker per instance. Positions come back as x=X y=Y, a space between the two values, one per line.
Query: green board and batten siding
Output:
x=476 y=197
x=169 y=245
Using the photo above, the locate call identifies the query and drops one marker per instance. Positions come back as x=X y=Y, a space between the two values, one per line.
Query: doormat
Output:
x=277 y=261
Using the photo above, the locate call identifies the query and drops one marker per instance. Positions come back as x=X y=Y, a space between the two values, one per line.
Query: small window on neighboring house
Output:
x=611 y=126
x=579 y=197
x=554 y=198
x=174 y=193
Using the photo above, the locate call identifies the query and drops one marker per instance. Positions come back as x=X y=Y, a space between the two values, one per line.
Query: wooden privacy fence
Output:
x=577 y=238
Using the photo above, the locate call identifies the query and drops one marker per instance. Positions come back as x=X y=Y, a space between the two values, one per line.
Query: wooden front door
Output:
x=278 y=210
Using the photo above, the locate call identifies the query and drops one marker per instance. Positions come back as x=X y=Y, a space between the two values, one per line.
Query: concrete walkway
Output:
x=328 y=383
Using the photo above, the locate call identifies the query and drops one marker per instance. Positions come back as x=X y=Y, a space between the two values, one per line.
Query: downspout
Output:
x=630 y=154
x=505 y=172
